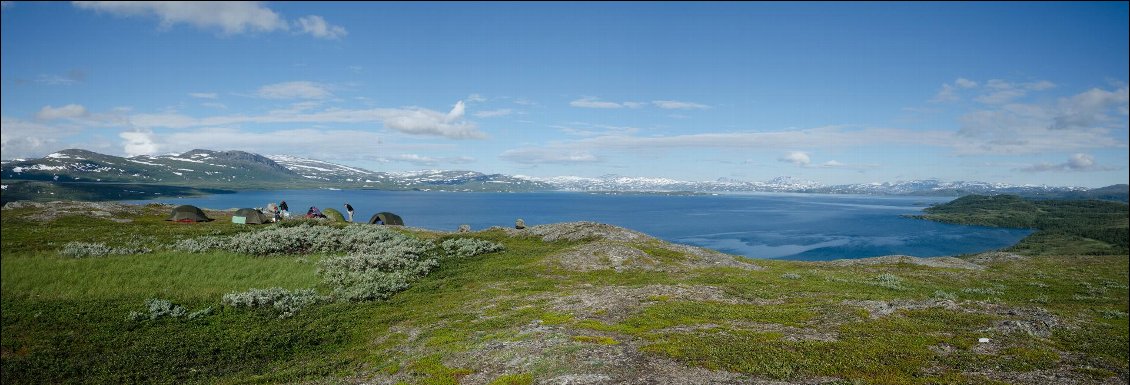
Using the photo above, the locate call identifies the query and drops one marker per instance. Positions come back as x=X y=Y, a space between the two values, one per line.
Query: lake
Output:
x=765 y=225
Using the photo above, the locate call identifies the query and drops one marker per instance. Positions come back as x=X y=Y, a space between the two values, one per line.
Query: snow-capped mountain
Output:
x=238 y=169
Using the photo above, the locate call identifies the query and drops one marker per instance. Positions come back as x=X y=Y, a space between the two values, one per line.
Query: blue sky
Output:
x=1024 y=93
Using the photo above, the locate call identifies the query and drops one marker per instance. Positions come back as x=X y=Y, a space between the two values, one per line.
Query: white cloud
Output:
x=833 y=164
x=539 y=155
x=475 y=98
x=590 y=102
x=203 y=95
x=965 y=83
x=948 y=93
x=139 y=143
x=1092 y=107
x=219 y=106
x=1000 y=91
x=70 y=111
x=456 y=113
x=494 y=113
x=1085 y=120
x=798 y=158
x=426 y=160
x=228 y=17
x=294 y=90
x=677 y=105
x=1077 y=162
x=22 y=139
x=409 y=120
x=317 y=27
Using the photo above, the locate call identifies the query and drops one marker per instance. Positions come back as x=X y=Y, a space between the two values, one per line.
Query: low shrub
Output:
x=468 y=247
x=87 y=250
x=286 y=302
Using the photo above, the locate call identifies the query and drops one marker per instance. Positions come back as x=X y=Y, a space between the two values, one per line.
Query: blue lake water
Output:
x=785 y=226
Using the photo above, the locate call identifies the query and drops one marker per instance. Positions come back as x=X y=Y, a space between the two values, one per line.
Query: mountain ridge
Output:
x=239 y=169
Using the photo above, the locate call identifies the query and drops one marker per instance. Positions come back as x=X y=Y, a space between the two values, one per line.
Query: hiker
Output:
x=349 y=209
x=285 y=210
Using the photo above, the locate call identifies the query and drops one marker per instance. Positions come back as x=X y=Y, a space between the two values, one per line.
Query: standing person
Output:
x=349 y=209
x=285 y=210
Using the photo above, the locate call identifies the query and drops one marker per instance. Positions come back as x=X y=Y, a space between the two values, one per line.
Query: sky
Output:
x=1020 y=93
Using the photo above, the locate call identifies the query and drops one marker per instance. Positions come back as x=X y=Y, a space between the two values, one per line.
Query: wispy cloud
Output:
x=548 y=155
x=70 y=111
x=421 y=160
x=1081 y=121
x=1000 y=91
x=72 y=77
x=1077 y=162
x=949 y=92
x=494 y=113
x=203 y=95
x=224 y=17
x=678 y=105
x=295 y=90
x=590 y=102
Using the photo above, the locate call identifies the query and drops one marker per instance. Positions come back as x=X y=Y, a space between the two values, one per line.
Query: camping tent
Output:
x=250 y=216
x=333 y=215
x=387 y=219
x=188 y=213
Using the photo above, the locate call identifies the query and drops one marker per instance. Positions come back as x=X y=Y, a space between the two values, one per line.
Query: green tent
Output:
x=250 y=216
x=333 y=215
x=188 y=213
x=386 y=218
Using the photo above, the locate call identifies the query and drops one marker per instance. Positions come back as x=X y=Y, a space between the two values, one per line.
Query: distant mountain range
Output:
x=243 y=170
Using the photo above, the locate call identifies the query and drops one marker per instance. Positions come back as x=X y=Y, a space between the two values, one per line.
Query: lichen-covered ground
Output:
x=568 y=303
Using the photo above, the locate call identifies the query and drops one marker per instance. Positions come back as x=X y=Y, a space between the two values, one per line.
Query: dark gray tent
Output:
x=249 y=216
x=188 y=213
x=387 y=219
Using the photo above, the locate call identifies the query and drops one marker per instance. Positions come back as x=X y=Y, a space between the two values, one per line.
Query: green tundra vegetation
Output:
x=109 y=293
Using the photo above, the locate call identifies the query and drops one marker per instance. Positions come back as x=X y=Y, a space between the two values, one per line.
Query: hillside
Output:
x=110 y=293
x=1102 y=226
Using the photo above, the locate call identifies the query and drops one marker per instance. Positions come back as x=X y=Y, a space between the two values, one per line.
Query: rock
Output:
x=519 y=224
x=464 y=228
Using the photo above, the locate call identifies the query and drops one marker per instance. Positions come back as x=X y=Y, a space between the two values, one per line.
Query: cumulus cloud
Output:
x=70 y=111
x=677 y=105
x=1092 y=107
x=540 y=155
x=136 y=143
x=798 y=158
x=294 y=90
x=456 y=113
x=1084 y=120
x=317 y=27
x=494 y=113
x=20 y=138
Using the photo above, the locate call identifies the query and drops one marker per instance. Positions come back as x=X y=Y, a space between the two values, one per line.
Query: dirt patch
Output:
x=943 y=262
x=601 y=255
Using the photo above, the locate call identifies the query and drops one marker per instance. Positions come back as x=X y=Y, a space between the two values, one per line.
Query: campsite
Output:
x=215 y=301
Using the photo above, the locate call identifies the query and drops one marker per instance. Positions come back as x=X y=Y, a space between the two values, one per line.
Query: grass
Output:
x=65 y=319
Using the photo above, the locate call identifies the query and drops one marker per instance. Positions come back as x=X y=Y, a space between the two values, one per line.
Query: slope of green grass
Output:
x=67 y=320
